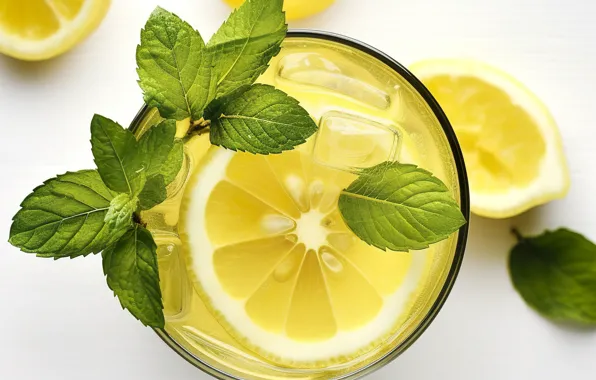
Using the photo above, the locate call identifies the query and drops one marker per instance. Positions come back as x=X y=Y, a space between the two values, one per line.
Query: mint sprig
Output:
x=555 y=273
x=89 y=211
x=399 y=207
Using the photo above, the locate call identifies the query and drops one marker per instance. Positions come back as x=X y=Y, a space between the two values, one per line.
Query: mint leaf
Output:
x=259 y=119
x=153 y=193
x=119 y=215
x=64 y=217
x=171 y=65
x=173 y=163
x=156 y=144
x=130 y=267
x=118 y=161
x=246 y=42
x=555 y=273
x=163 y=156
x=399 y=207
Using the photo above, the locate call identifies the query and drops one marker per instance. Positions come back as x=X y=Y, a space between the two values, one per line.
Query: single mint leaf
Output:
x=117 y=157
x=399 y=207
x=156 y=144
x=153 y=193
x=119 y=215
x=64 y=217
x=173 y=163
x=173 y=72
x=259 y=119
x=246 y=42
x=555 y=273
x=130 y=266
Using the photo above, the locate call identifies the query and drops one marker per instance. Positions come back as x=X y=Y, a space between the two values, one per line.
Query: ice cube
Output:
x=175 y=285
x=350 y=142
x=337 y=75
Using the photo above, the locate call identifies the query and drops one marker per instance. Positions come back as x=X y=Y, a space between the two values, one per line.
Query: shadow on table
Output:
x=31 y=70
x=491 y=240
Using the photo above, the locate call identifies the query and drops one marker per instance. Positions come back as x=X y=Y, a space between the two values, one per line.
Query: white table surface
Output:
x=58 y=320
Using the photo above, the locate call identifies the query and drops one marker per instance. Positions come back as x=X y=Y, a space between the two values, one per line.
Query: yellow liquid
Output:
x=366 y=114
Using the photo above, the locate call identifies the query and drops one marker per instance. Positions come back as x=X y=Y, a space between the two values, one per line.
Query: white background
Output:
x=58 y=320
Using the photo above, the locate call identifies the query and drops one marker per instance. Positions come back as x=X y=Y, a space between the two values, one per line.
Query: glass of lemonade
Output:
x=261 y=279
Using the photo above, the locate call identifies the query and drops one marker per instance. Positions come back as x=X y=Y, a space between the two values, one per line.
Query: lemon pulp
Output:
x=277 y=265
x=510 y=142
x=40 y=29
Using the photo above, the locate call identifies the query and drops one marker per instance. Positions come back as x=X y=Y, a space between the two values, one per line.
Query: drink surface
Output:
x=260 y=277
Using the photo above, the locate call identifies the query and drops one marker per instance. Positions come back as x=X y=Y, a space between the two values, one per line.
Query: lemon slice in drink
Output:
x=510 y=142
x=40 y=29
x=276 y=265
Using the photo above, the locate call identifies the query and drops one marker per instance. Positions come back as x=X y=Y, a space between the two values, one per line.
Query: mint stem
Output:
x=517 y=234
x=201 y=123
x=197 y=130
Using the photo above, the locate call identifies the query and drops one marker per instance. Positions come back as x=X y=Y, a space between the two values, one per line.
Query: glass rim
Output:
x=464 y=205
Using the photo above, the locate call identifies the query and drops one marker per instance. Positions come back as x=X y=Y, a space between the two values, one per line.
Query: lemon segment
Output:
x=274 y=262
x=41 y=29
x=511 y=143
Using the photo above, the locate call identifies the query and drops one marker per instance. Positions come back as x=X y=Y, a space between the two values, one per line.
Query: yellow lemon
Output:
x=296 y=9
x=40 y=29
x=511 y=143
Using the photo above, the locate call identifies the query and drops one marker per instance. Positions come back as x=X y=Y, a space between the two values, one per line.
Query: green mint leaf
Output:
x=259 y=119
x=153 y=193
x=156 y=144
x=172 y=70
x=119 y=215
x=555 y=273
x=130 y=266
x=246 y=42
x=117 y=157
x=64 y=217
x=399 y=207
x=173 y=163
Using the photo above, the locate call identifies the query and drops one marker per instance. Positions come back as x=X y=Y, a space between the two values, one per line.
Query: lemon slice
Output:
x=511 y=143
x=40 y=29
x=296 y=9
x=276 y=265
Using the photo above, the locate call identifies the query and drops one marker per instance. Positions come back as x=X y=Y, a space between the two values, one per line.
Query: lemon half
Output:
x=40 y=29
x=276 y=265
x=511 y=143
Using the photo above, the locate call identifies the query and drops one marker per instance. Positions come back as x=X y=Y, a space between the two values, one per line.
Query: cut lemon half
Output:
x=40 y=29
x=296 y=9
x=276 y=265
x=511 y=143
